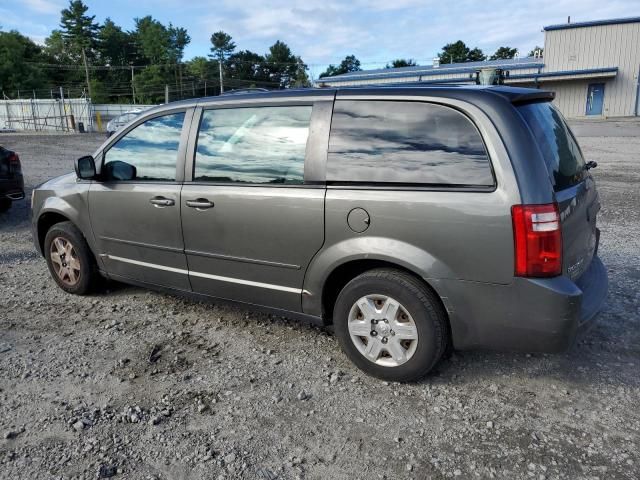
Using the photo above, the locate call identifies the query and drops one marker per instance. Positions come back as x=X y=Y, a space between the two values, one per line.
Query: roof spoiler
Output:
x=531 y=97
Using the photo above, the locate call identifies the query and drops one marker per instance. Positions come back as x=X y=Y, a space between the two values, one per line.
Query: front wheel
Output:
x=391 y=325
x=69 y=259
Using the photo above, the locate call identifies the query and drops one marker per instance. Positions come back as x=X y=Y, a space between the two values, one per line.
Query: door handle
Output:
x=162 y=202
x=199 y=204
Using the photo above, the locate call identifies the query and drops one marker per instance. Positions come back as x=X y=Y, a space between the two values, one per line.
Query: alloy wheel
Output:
x=382 y=330
x=65 y=261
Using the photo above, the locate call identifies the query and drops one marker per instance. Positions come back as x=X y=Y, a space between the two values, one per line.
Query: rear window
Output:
x=560 y=150
x=405 y=143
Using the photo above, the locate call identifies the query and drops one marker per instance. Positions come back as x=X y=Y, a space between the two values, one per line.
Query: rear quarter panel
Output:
x=458 y=235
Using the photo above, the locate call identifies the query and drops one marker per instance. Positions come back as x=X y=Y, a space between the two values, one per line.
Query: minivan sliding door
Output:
x=251 y=220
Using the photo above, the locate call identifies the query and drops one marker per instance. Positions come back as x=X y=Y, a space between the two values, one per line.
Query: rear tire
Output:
x=70 y=260
x=391 y=325
x=5 y=204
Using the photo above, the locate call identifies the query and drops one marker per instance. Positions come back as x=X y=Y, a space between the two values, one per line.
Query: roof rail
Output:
x=242 y=91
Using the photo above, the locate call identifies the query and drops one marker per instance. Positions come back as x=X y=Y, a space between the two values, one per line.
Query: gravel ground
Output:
x=130 y=383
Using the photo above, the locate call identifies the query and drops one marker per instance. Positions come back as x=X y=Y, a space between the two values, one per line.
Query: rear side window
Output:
x=264 y=145
x=405 y=143
x=560 y=150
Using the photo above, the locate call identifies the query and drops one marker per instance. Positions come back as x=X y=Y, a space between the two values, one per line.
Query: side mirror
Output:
x=85 y=168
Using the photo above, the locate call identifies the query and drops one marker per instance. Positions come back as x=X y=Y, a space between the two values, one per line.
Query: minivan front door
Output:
x=250 y=223
x=135 y=208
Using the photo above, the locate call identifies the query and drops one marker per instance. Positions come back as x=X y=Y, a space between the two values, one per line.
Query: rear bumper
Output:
x=530 y=315
x=12 y=188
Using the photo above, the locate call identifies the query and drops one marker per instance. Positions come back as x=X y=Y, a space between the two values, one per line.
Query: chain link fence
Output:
x=62 y=115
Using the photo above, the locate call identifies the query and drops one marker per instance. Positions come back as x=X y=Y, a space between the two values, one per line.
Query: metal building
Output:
x=594 y=68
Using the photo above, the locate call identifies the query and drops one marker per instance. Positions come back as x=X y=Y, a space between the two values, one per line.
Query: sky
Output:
x=325 y=31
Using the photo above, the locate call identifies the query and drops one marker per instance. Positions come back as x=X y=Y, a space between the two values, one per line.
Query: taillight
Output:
x=537 y=239
x=14 y=164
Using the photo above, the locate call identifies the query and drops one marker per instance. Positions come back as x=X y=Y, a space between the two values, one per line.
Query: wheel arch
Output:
x=50 y=217
x=347 y=271
x=46 y=220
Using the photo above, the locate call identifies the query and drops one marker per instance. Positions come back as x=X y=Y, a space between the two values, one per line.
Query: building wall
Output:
x=571 y=97
x=616 y=45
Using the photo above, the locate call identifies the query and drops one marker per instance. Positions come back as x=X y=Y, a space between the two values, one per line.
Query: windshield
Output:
x=561 y=152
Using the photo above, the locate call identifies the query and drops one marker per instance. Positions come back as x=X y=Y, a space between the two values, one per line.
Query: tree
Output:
x=401 y=62
x=247 y=66
x=17 y=71
x=178 y=40
x=282 y=64
x=58 y=51
x=535 y=49
x=201 y=69
x=222 y=46
x=80 y=30
x=114 y=46
x=476 y=55
x=504 y=53
x=458 y=52
x=150 y=84
x=301 y=79
x=153 y=40
x=349 y=64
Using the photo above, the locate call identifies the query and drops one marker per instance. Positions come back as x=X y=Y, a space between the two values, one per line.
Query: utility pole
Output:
x=166 y=94
x=62 y=111
x=221 y=86
x=86 y=72
x=205 y=88
x=133 y=90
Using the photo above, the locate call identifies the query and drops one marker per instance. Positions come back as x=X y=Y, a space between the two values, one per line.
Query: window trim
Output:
x=437 y=187
x=309 y=181
x=180 y=154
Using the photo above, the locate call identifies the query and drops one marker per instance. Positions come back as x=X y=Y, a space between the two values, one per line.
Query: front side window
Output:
x=405 y=143
x=263 y=145
x=149 y=152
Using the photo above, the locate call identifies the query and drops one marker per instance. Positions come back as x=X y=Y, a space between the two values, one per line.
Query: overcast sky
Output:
x=324 y=31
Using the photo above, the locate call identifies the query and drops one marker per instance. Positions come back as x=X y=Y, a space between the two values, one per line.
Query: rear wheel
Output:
x=5 y=204
x=390 y=325
x=69 y=259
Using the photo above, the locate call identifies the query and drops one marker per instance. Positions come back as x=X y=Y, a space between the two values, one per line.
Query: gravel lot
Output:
x=134 y=384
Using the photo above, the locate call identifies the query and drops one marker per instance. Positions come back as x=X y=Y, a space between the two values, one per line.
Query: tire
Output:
x=5 y=204
x=80 y=280
x=420 y=321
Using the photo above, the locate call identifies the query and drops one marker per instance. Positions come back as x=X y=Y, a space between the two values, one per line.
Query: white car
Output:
x=120 y=121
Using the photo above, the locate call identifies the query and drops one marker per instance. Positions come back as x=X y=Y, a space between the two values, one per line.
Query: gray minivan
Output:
x=413 y=219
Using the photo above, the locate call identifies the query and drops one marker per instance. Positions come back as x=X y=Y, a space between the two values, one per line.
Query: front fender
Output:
x=71 y=203
x=389 y=250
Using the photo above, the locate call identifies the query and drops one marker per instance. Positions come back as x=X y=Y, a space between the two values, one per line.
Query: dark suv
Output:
x=11 y=180
x=412 y=219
